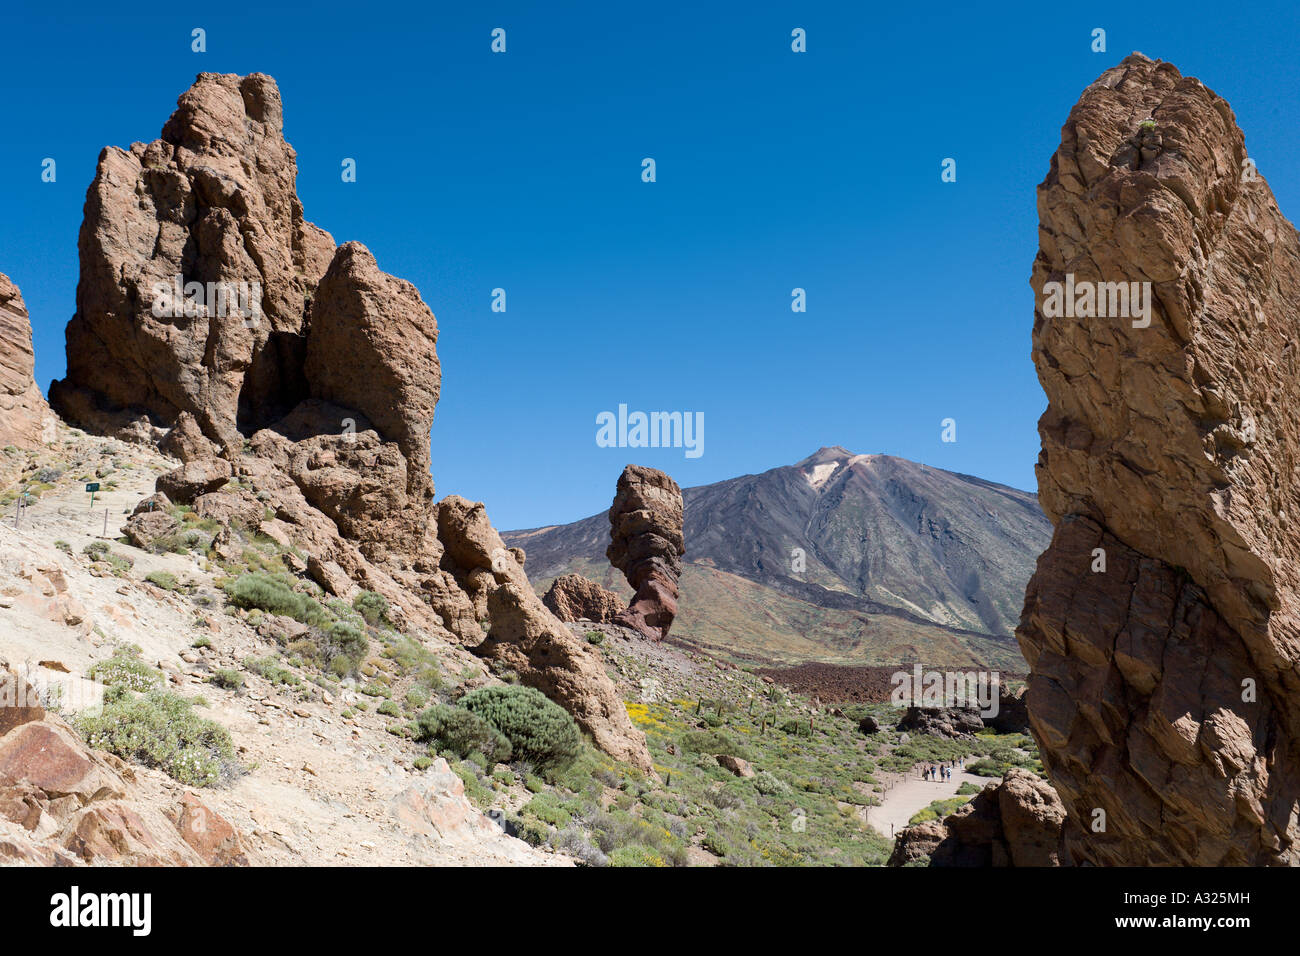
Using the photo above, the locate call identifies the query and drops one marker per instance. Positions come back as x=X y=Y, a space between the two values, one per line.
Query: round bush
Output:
x=538 y=729
x=462 y=733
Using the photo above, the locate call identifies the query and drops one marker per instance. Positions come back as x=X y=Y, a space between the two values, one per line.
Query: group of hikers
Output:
x=941 y=771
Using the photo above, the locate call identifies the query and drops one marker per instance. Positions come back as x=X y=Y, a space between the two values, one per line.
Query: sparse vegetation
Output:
x=273 y=594
x=372 y=607
x=163 y=579
x=159 y=729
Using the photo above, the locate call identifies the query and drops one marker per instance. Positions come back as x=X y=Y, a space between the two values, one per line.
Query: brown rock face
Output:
x=1162 y=626
x=25 y=419
x=647 y=545
x=211 y=201
x=372 y=347
x=572 y=597
x=1017 y=822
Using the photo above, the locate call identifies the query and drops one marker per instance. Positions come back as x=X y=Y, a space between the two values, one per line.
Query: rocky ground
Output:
x=320 y=788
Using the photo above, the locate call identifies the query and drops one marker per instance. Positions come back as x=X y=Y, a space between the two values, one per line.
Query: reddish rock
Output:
x=646 y=544
x=941 y=721
x=572 y=597
x=186 y=440
x=19 y=702
x=209 y=834
x=1162 y=626
x=146 y=527
x=25 y=419
x=50 y=757
x=373 y=348
x=741 y=768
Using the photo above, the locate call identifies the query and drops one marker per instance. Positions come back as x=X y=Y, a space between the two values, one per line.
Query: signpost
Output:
x=92 y=487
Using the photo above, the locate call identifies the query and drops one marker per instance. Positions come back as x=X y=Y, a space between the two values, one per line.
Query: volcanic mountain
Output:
x=840 y=557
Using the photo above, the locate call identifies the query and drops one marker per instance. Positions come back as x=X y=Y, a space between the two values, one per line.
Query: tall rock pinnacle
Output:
x=647 y=544
x=195 y=259
x=1162 y=626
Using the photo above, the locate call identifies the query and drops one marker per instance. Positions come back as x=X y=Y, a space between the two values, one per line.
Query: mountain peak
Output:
x=826 y=454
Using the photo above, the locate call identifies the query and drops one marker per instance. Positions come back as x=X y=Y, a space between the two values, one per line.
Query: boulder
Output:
x=572 y=597
x=193 y=479
x=1013 y=713
x=1162 y=625
x=19 y=702
x=647 y=545
x=186 y=441
x=741 y=768
x=145 y=527
x=941 y=721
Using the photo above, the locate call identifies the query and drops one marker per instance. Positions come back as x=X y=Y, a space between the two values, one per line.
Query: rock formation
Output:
x=25 y=419
x=196 y=270
x=646 y=544
x=574 y=598
x=1162 y=626
x=308 y=402
x=1013 y=713
x=1017 y=822
x=525 y=638
x=941 y=721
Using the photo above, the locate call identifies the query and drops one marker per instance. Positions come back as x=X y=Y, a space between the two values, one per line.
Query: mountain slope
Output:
x=896 y=555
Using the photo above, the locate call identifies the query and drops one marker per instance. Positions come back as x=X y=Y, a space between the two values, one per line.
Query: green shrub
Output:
x=272 y=670
x=771 y=785
x=202 y=641
x=389 y=709
x=159 y=729
x=636 y=855
x=163 y=579
x=462 y=733
x=371 y=606
x=547 y=808
x=63 y=546
x=125 y=669
x=260 y=591
x=228 y=678
x=595 y=637
x=538 y=729
x=344 y=646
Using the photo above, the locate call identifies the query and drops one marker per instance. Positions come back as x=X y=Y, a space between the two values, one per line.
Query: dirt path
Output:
x=909 y=793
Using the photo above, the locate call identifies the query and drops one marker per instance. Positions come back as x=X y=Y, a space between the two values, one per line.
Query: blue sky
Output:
x=775 y=170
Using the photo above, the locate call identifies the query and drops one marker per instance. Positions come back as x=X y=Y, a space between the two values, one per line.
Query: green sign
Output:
x=93 y=486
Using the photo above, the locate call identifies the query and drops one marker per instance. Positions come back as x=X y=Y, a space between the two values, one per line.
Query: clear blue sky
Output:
x=775 y=170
